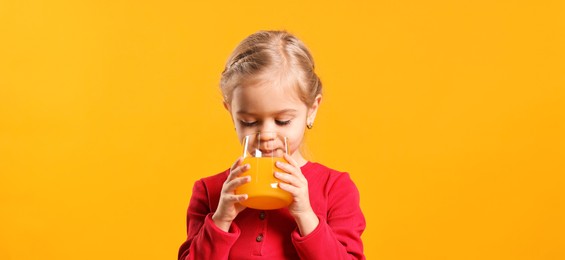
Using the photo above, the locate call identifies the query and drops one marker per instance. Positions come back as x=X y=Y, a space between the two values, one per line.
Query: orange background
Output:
x=449 y=115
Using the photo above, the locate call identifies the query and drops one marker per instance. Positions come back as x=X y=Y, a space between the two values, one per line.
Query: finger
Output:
x=291 y=161
x=285 y=167
x=297 y=178
x=236 y=198
x=233 y=184
x=237 y=162
x=238 y=171
x=234 y=167
x=288 y=178
x=293 y=190
x=291 y=169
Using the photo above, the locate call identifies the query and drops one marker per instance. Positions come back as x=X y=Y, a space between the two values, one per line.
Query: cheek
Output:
x=295 y=140
x=242 y=132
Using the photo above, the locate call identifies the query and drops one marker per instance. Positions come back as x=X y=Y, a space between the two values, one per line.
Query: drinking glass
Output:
x=261 y=151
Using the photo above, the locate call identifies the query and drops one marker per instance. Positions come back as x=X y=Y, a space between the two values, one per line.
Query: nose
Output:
x=267 y=136
x=268 y=126
x=269 y=144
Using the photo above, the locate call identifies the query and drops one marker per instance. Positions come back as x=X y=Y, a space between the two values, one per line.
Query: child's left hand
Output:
x=297 y=185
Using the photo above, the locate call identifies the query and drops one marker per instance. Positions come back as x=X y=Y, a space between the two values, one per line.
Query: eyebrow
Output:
x=284 y=111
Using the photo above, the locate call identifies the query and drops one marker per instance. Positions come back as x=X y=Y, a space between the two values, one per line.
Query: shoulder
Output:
x=206 y=191
x=212 y=182
x=216 y=178
x=328 y=182
x=319 y=172
x=332 y=192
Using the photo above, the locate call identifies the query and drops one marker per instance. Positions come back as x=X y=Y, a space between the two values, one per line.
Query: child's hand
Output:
x=228 y=207
x=297 y=185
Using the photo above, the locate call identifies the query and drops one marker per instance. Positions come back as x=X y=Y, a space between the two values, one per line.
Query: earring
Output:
x=309 y=125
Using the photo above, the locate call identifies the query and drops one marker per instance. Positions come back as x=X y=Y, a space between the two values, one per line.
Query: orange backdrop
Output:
x=449 y=115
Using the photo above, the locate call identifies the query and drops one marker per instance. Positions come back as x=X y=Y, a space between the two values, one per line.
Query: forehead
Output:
x=265 y=97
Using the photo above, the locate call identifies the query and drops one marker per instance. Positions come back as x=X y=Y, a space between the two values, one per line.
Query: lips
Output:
x=271 y=153
x=265 y=147
x=267 y=153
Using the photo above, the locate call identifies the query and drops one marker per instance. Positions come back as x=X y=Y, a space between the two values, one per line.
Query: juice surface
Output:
x=263 y=190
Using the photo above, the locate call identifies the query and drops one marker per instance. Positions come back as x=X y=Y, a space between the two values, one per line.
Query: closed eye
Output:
x=282 y=123
x=248 y=124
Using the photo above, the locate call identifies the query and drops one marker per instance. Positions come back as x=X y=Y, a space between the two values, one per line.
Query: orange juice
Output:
x=263 y=190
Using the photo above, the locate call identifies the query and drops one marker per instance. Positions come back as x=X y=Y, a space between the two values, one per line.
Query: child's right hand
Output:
x=229 y=206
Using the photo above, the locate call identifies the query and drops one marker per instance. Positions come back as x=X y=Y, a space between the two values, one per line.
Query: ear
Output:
x=312 y=110
x=228 y=108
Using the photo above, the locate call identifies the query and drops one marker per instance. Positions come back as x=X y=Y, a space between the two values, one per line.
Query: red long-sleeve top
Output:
x=273 y=234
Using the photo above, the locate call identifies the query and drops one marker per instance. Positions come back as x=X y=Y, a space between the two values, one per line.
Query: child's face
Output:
x=266 y=108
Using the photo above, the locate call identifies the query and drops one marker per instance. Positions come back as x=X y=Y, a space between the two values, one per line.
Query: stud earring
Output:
x=309 y=125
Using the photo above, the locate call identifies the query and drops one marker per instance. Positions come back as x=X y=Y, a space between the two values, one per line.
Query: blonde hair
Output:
x=277 y=52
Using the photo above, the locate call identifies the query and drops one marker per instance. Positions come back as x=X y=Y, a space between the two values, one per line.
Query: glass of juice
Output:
x=261 y=151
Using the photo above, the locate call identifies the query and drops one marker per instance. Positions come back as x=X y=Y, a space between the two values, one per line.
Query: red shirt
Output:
x=273 y=234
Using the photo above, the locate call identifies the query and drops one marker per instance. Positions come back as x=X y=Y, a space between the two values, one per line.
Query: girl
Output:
x=269 y=85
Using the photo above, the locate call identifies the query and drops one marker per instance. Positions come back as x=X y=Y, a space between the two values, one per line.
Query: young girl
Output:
x=269 y=85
